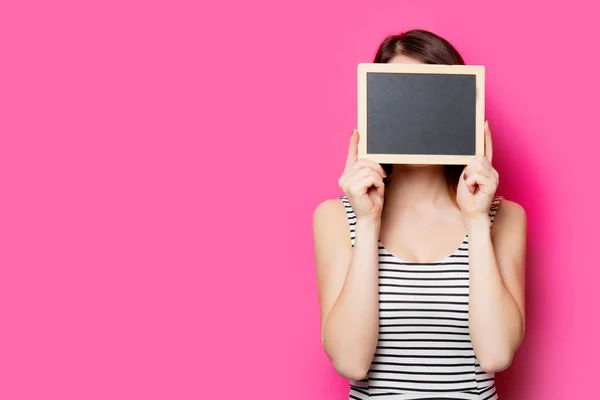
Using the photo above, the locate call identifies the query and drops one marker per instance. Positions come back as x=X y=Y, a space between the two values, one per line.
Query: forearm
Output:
x=495 y=322
x=352 y=327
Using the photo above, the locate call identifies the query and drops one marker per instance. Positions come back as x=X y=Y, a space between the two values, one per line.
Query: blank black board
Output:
x=420 y=113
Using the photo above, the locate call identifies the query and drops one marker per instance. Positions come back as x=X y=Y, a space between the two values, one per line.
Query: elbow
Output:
x=351 y=370
x=349 y=366
x=498 y=362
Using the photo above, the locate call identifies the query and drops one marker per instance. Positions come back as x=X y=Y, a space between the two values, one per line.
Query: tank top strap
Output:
x=494 y=207
x=351 y=217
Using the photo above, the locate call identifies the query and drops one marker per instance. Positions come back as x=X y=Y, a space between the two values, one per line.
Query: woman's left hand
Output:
x=478 y=183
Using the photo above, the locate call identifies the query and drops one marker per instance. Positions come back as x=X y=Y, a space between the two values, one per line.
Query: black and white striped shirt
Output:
x=424 y=349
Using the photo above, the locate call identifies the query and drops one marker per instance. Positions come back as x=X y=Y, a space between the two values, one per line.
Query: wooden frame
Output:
x=477 y=70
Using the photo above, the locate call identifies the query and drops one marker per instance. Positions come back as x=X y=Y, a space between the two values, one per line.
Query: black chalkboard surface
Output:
x=420 y=113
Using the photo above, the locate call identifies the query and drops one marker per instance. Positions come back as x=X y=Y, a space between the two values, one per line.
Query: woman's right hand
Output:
x=362 y=183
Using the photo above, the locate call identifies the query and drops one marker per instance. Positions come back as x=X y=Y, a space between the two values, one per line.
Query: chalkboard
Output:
x=420 y=113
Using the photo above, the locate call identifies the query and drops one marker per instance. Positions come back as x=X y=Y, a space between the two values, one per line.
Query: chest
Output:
x=433 y=295
x=421 y=239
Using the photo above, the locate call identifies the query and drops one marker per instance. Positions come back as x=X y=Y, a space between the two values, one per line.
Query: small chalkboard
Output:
x=420 y=113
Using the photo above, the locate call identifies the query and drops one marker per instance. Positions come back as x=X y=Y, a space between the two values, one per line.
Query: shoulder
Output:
x=330 y=211
x=510 y=218
x=510 y=211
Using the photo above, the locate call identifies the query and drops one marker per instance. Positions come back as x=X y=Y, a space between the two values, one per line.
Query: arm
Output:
x=347 y=281
x=497 y=285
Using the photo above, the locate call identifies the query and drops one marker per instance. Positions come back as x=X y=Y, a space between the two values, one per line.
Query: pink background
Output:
x=160 y=162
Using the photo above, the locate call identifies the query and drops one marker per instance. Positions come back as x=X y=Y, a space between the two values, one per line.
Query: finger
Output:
x=381 y=190
x=471 y=167
x=364 y=172
x=479 y=167
x=366 y=163
x=375 y=181
x=352 y=149
x=377 y=191
x=481 y=164
x=467 y=178
x=489 y=150
x=485 y=183
x=362 y=185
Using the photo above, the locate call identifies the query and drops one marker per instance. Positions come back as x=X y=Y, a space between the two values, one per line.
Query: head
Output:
x=421 y=47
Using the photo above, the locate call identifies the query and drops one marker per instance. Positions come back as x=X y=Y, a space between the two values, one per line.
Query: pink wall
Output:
x=160 y=162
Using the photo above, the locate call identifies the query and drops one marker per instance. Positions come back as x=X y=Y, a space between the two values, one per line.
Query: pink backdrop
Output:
x=160 y=162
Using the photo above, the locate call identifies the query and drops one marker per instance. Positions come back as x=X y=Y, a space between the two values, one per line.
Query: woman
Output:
x=420 y=269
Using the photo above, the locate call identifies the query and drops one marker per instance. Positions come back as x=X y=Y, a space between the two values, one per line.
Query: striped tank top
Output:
x=424 y=349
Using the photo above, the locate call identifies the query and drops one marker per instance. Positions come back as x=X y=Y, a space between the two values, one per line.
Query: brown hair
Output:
x=428 y=48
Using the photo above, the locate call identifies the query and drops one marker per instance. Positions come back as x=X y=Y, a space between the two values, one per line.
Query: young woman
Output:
x=420 y=268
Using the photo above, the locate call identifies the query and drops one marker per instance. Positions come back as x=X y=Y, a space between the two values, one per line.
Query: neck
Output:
x=417 y=185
